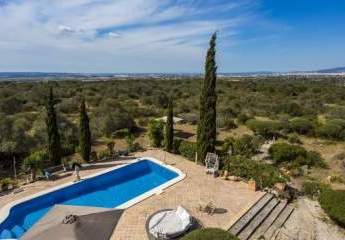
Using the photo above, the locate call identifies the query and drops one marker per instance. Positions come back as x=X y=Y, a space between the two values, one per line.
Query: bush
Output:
x=156 y=134
x=122 y=133
x=283 y=152
x=187 y=149
x=104 y=154
x=302 y=126
x=246 y=145
x=242 y=118
x=312 y=189
x=291 y=108
x=266 y=129
x=295 y=156
x=265 y=175
x=226 y=123
x=294 y=139
x=6 y=182
x=332 y=129
x=209 y=234
x=333 y=202
x=177 y=143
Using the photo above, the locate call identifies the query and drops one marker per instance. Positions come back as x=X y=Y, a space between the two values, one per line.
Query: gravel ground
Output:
x=309 y=222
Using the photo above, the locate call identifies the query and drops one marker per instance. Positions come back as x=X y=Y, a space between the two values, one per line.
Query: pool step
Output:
x=6 y=234
x=263 y=219
x=250 y=214
x=17 y=231
x=264 y=226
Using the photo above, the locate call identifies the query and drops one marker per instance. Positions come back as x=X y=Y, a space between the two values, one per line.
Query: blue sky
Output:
x=170 y=35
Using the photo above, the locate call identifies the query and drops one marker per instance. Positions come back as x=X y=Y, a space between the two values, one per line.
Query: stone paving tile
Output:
x=197 y=188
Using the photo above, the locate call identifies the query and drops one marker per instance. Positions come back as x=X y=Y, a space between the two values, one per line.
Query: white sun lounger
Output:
x=170 y=223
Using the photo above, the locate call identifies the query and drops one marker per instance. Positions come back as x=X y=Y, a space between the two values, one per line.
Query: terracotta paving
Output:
x=231 y=198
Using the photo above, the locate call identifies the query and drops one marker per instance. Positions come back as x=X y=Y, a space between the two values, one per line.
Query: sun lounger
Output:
x=169 y=224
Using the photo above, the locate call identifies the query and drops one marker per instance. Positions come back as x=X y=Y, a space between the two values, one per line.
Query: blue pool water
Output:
x=108 y=190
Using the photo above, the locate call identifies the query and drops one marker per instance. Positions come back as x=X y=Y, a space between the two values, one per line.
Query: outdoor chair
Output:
x=212 y=163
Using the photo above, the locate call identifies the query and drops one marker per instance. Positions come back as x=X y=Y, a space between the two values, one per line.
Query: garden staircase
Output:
x=263 y=219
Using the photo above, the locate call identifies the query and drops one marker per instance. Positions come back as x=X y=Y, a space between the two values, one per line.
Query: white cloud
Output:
x=111 y=35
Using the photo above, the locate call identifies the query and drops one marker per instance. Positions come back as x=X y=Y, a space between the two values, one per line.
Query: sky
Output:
x=171 y=36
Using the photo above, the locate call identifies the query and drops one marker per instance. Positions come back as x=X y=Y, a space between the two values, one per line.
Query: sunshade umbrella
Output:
x=82 y=223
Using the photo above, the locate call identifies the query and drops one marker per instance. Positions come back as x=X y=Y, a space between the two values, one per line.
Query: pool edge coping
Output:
x=5 y=210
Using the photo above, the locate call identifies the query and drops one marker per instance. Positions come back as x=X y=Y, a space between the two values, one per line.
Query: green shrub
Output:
x=156 y=134
x=291 y=108
x=226 y=123
x=333 y=202
x=242 y=118
x=246 y=145
x=122 y=133
x=295 y=156
x=187 y=149
x=294 y=139
x=6 y=182
x=209 y=234
x=265 y=175
x=312 y=189
x=104 y=154
x=332 y=129
x=177 y=143
x=266 y=129
x=283 y=152
x=302 y=125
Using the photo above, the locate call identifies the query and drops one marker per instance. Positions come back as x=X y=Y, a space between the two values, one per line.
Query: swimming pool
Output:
x=119 y=187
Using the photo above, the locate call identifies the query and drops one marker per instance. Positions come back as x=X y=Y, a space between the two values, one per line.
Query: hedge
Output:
x=209 y=234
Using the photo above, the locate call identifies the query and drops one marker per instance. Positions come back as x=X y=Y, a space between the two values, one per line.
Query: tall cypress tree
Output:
x=84 y=133
x=54 y=145
x=169 y=127
x=207 y=132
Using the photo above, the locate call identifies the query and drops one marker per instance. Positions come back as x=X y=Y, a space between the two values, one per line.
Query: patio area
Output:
x=232 y=199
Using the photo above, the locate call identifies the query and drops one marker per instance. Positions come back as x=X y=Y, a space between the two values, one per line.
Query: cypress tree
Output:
x=169 y=127
x=54 y=145
x=84 y=133
x=207 y=132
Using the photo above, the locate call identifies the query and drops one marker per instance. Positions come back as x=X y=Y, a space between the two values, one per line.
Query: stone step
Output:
x=236 y=228
x=279 y=222
x=258 y=219
x=269 y=220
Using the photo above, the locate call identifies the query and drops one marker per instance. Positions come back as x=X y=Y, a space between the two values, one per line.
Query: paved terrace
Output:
x=231 y=198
